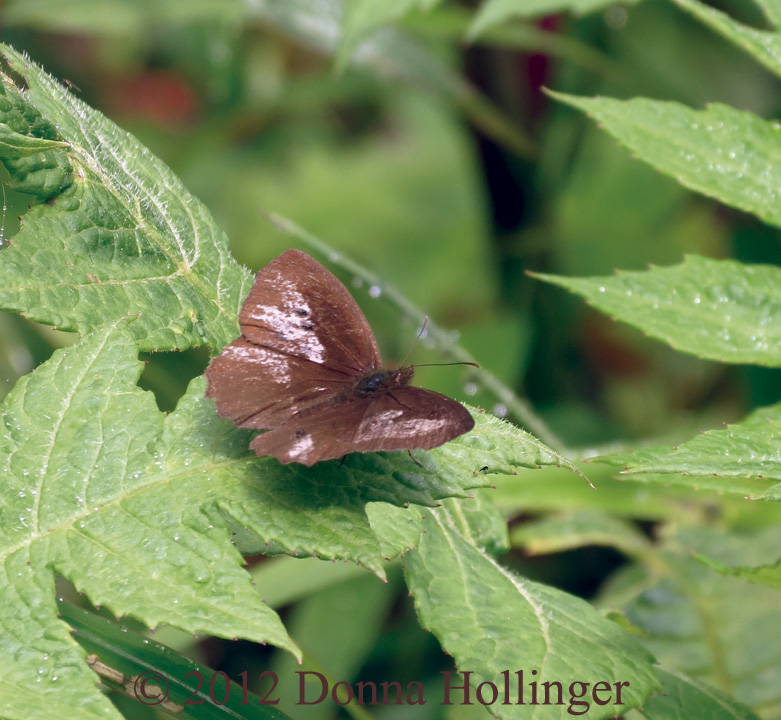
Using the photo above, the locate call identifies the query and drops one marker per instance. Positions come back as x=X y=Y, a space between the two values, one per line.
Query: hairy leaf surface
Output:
x=492 y=620
x=715 y=309
x=121 y=235
x=746 y=451
x=724 y=153
x=95 y=489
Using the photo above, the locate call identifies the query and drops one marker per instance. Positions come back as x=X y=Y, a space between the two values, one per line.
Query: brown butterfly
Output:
x=307 y=370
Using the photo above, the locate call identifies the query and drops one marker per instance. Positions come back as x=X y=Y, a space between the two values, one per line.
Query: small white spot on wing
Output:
x=300 y=449
x=289 y=319
x=376 y=424
x=274 y=364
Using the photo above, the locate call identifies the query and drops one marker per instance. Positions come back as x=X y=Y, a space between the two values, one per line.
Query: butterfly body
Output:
x=383 y=380
x=307 y=370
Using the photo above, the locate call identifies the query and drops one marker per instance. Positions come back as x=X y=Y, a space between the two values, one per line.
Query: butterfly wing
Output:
x=324 y=434
x=297 y=308
x=304 y=340
x=259 y=387
x=304 y=345
x=405 y=418
x=409 y=418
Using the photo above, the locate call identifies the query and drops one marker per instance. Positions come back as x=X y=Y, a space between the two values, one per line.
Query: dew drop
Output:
x=616 y=17
x=500 y=410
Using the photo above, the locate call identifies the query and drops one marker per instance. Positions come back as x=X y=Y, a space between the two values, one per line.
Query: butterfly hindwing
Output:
x=404 y=418
x=325 y=434
x=408 y=418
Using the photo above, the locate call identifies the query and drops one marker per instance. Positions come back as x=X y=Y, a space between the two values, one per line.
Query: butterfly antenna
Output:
x=420 y=335
x=415 y=342
x=460 y=362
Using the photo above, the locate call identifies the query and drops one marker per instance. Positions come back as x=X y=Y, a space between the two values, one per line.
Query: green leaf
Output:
x=389 y=52
x=500 y=446
x=771 y=493
x=740 y=488
x=167 y=501
x=361 y=18
x=452 y=22
x=341 y=509
x=772 y=11
x=122 y=658
x=288 y=509
x=17 y=145
x=715 y=629
x=763 y=45
x=683 y=698
x=337 y=627
x=727 y=154
x=55 y=270
x=92 y=491
x=495 y=12
x=122 y=236
x=550 y=491
x=491 y=620
x=478 y=519
x=577 y=529
x=396 y=529
x=715 y=309
x=749 y=450
x=285 y=580
x=766 y=574
x=480 y=522
x=31 y=148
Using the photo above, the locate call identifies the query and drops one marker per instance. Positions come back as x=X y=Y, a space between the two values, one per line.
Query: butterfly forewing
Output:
x=299 y=308
x=304 y=340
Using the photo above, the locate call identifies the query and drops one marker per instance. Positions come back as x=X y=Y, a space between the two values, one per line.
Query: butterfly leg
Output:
x=414 y=459
x=397 y=401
